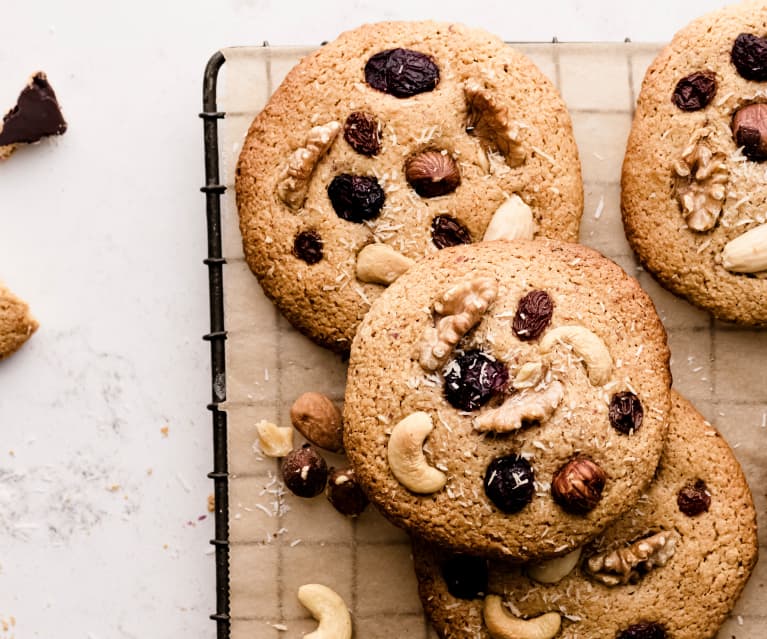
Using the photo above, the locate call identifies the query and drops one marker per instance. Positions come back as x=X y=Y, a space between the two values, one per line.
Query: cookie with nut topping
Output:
x=694 y=184
x=391 y=143
x=671 y=567
x=508 y=398
x=16 y=323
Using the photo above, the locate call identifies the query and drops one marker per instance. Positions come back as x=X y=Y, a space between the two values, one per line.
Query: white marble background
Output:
x=102 y=232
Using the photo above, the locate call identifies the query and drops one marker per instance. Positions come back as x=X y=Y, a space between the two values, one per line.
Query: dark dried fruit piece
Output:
x=304 y=471
x=473 y=378
x=510 y=483
x=308 y=247
x=432 y=173
x=356 y=198
x=749 y=55
x=402 y=72
x=625 y=412
x=644 y=630
x=695 y=91
x=465 y=576
x=577 y=486
x=749 y=128
x=363 y=133
x=36 y=115
x=447 y=231
x=533 y=315
x=694 y=499
x=345 y=493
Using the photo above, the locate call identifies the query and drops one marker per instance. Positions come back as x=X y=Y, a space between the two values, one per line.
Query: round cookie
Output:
x=16 y=323
x=700 y=500
x=537 y=374
x=406 y=134
x=694 y=185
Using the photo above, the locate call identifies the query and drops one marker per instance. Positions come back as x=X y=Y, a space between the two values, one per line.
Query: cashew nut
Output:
x=520 y=409
x=328 y=609
x=274 y=441
x=554 y=570
x=586 y=345
x=748 y=252
x=406 y=458
x=512 y=220
x=502 y=625
x=381 y=264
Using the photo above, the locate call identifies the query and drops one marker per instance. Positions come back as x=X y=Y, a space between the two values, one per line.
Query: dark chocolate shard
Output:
x=36 y=115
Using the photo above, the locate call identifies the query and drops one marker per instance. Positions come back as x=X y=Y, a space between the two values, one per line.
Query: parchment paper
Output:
x=279 y=541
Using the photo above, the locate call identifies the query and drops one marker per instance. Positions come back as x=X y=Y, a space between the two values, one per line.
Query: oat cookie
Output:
x=508 y=398
x=694 y=186
x=16 y=324
x=388 y=144
x=672 y=566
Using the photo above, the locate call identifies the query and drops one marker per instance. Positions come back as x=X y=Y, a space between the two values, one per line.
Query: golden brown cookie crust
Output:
x=386 y=383
x=685 y=261
x=16 y=323
x=691 y=595
x=325 y=300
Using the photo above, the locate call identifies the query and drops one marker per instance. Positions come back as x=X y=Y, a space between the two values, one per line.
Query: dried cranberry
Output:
x=363 y=133
x=356 y=198
x=304 y=471
x=625 y=412
x=473 y=378
x=533 y=315
x=644 y=630
x=749 y=55
x=465 y=576
x=695 y=91
x=694 y=499
x=510 y=483
x=447 y=231
x=308 y=247
x=402 y=72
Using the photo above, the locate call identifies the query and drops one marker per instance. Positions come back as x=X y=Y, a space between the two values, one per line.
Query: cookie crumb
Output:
x=211 y=503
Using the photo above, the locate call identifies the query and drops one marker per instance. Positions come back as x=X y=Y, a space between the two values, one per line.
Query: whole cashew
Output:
x=406 y=458
x=501 y=625
x=586 y=345
x=328 y=609
x=554 y=570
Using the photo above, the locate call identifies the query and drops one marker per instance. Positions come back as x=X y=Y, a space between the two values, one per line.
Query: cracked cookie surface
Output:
x=551 y=353
x=334 y=164
x=689 y=596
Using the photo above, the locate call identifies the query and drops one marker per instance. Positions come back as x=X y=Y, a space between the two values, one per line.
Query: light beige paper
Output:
x=279 y=541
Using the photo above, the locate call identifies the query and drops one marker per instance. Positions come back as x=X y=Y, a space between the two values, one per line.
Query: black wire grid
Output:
x=217 y=337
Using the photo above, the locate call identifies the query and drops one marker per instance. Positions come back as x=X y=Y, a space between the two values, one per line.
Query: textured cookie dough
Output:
x=386 y=383
x=281 y=193
x=725 y=190
x=690 y=596
x=16 y=324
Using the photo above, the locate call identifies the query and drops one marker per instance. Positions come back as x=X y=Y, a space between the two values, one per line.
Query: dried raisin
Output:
x=308 y=247
x=447 y=231
x=363 y=133
x=356 y=198
x=695 y=91
x=644 y=630
x=473 y=378
x=510 y=483
x=625 y=412
x=694 y=499
x=465 y=576
x=533 y=315
x=749 y=55
x=402 y=72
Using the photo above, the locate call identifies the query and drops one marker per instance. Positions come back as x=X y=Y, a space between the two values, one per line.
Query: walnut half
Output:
x=520 y=409
x=630 y=563
x=699 y=183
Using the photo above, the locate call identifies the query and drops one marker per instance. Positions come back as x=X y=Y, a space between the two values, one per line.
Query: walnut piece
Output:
x=293 y=182
x=630 y=563
x=521 y=409
x=461 y=307
x=699 y=184
x=489 y=121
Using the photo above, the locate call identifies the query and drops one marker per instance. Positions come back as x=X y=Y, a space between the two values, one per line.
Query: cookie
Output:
x=677 y=561
x=508 y=398
x=694 y=185
x=16 y=324
x=388 y=144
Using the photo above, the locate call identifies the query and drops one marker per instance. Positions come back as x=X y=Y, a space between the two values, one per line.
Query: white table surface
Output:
x=102 y=231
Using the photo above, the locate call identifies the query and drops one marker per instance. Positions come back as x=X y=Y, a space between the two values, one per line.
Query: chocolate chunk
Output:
x=35 y=116
x=749 y=128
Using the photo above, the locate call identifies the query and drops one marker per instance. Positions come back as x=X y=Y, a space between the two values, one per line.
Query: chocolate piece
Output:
x=35 y=116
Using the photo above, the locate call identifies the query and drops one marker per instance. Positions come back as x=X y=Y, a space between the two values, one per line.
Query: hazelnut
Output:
x=749 y=128
x=317 y=419
x=577 y=486
x=432 y=173
x=304 y=471
x=345 y=493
